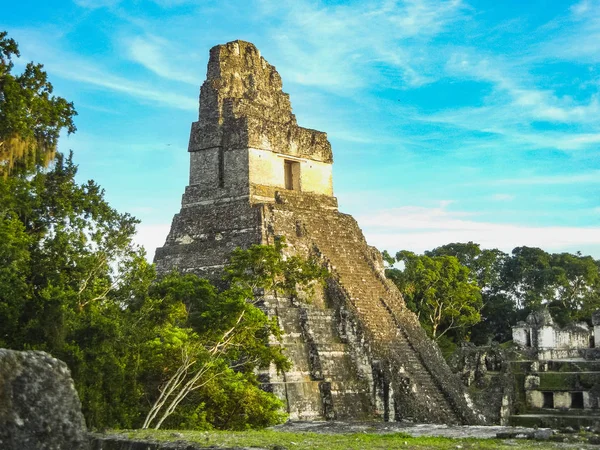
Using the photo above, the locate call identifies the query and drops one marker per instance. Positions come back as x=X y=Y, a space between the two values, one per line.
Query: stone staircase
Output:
x=369 y=295
x=420 y=383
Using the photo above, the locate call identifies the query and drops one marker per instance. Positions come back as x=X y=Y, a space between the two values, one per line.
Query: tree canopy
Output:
x=511 y=285
x=439 y=290
x=31 y=118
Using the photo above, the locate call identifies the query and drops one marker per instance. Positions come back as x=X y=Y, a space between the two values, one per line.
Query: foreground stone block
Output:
x=39 y=407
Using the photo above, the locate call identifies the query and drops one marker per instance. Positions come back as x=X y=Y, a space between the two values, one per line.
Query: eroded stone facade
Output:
x=255 y=175
x=557 y=374
x=549 y=341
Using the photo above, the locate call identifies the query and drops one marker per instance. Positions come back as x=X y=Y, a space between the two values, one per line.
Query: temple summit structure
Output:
x=255 y=175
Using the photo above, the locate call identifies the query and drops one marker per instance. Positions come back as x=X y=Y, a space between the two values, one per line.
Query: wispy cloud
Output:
x=118 y=84
x=419 y=229
x=578 y=35
x=338 y=46
x=173 y=3
x=503 y=197
x=80 y=69
x=149 y=51
x=582 y=7
x=94 y=4
x=587 y=178
x=516 y=105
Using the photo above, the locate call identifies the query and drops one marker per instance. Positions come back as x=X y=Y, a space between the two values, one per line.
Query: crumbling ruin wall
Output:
x=255 y=175
x=485 y=371
x=540 y=336
x=556 y=373
x=203 y=235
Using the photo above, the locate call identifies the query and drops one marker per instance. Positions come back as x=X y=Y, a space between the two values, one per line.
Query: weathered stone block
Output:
x=39 y=407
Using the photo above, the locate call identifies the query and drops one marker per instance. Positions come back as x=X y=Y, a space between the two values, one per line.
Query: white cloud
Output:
x=419 y=229
x=95 y=4
x=514 y=125
x=125 y=86
x=578 y=36
x=587 y=178
x=150 y=53
x=581 y=8
x=516 y=98
x=338 y=46
x=80 y=69
x=173 y=3
x=151 y=237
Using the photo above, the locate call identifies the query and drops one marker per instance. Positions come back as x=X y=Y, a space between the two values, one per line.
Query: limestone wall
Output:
x=202 y=236
x=545 y=337
x=541 y=334
x=521 y=336
x=267 y=168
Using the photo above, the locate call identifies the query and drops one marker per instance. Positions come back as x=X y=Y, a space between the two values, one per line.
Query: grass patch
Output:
x=557 y=381
x=279 y=440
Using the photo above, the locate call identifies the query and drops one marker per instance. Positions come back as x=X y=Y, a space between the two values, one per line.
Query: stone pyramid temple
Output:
x=255 y=175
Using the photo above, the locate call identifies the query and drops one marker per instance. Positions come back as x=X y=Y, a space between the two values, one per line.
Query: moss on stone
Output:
x=556 y=381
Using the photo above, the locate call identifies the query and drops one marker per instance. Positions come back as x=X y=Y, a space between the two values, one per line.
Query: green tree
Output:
x=31 y=118
x=485 y=265
x=234 y=334
x=65 y=252
x=568 y=283
x=68 y=247
x=438 y=289
x=514 y=285
x=577 y=280
x=266 y=267
x=488 y=268
x=227 y=338
x=530 y=277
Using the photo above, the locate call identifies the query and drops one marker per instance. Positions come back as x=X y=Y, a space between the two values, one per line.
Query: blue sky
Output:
x=450 y=120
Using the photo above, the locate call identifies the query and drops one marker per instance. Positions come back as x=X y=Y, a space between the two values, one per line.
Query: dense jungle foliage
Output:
x=143 y=351
x=463 y=292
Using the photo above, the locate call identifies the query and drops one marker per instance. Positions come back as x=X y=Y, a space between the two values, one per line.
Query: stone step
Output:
x=350 y=260
x=555 y=421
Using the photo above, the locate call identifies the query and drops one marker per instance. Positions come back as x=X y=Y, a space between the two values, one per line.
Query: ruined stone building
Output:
x=357 y=352
x=557 y=374
x=549 y=341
